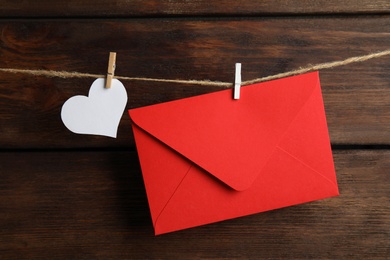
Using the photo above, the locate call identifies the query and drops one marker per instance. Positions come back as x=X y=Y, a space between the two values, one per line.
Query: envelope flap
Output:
x=230 y=139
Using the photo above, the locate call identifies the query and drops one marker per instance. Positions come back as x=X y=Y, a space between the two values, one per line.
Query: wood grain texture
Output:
x=357 y=96
x=83 y=197
x=138 y=8
x=92 y=205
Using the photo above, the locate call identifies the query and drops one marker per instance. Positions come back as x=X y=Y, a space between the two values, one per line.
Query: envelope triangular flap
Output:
x=230 y=139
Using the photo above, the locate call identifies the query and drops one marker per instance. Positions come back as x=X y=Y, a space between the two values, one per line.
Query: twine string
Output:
x=309 y=68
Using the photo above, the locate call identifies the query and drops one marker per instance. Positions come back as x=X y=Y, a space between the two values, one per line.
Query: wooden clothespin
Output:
x=111 y=69
x=237 y=81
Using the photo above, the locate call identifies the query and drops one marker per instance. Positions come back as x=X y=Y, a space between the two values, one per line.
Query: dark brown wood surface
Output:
x=138 y=8
x=358 y=108
x=68 y=196
x=94 y=206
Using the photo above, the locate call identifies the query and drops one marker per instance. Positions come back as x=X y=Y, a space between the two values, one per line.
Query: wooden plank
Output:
x=93 y=205
x=357 y=96
x=138 y=8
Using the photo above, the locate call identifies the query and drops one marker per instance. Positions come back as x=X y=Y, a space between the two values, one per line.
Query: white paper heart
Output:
x=97 y=114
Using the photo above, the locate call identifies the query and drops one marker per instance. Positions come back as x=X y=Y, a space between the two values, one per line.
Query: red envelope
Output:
x=209 y=158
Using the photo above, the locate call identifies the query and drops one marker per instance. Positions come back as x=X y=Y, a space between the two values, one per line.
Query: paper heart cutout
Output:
x=97 y=114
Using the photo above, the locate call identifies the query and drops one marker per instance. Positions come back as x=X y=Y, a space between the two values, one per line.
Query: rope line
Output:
x=309 y=68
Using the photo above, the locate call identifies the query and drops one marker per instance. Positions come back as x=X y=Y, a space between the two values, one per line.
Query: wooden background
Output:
x=67 y=196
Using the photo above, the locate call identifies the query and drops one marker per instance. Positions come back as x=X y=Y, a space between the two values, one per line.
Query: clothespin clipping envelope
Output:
x=210 y=158
x=237 y=81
